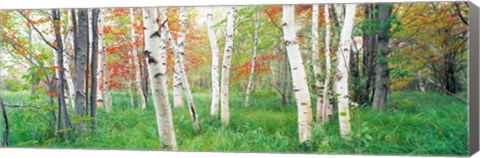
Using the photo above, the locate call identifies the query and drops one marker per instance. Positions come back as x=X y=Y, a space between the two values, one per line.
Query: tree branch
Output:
x=459 y=13
x=36 y=30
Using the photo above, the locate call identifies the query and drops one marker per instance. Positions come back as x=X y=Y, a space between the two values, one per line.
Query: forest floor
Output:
x=420 y=124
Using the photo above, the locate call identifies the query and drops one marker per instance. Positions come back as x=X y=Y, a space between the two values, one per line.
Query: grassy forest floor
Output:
x=426 y=124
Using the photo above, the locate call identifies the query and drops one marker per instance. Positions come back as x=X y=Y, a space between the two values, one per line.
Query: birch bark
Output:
x=155 y=51
x=341 y=76
x=299 y=77
x=215 y=64
x=136 y=62
x=227 y=59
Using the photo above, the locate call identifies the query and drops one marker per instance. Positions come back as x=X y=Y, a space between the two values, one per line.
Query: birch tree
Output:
x=254 y=58
x=81 y=51
x=299 y=76
x=136 y=62
x=177 y=73
x=327 y=109
x=227 y=61
x=316 y=64
x=100 y=62
x=341 y=76
x=177 y=82
x=104 y=63
x=67 y=58
x=215 y=63
x=155 y=51
x=179 y=50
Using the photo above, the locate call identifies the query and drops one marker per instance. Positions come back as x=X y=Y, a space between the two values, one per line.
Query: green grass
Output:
x=420 y=124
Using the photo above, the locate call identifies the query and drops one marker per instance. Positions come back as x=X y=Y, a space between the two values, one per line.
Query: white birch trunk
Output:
x=421 y=82
x=177 y=76
x=136 y=62
x=327 y=105
x=68 y=73
x=227 y=59
x=215 y=63
x=165 y=36
x=100 y=61
x=179 y=50
x=299 y=76
x=101 y=46
x=316 y=64
x=341 y=84
x=155 y=51
x=254 y=58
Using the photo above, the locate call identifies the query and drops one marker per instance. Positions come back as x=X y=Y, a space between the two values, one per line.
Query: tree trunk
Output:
x=421 y=82
x=106 y=77
x=66 y=64
x=283 y=76
x=450 y=80
x=299 y=76
x=7 y=129
x=368 y=57
x=93 y=96
x=81 y=50
x=319 y=87
x=177 y=83
x=155 y=51
x=381 y=67
x=89 y=52
x=215 y=63
x=341 y=84
x=59 y=70
x=327 y=108
x=355 y=83
x=227 y=61
x=136 y=62
x=254 y=58
x=101 y=57
x=179 y=50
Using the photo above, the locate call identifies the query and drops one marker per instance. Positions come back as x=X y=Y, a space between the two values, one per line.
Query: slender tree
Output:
x=61 y=84
x=100 y=61
x=327 y=107
x=299 y=76
x=155 y=51
x=93 y=95
x=227 y=61
x=341 y=76
x=179 y=50
x=136 y=62
x=215 y=63
x=254 y=58
x=316 y=64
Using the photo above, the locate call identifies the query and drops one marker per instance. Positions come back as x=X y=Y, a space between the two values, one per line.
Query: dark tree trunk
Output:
x=381 y=67
x=355 y=77
x=75 y=32
x=61 y=73
x=368 y=58
x=87 y=65
x=7 y=128
x=81 y=51
x=450 y=80
x=93 y=95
